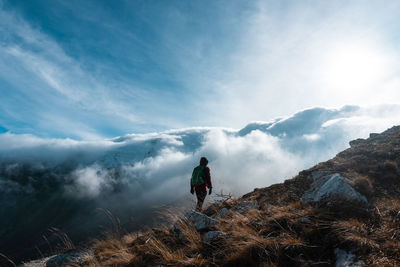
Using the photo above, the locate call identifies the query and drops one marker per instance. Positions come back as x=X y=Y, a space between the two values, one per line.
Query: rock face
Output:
x=200 y=221
x=327 y=188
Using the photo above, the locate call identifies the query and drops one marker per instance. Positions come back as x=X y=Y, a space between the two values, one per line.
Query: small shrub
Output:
x=364 y=186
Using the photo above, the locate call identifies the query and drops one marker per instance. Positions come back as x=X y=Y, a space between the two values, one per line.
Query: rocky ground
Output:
x=342 y=212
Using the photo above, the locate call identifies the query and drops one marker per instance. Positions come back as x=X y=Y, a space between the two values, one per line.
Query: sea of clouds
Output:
x=154 y=164
x=129 y=174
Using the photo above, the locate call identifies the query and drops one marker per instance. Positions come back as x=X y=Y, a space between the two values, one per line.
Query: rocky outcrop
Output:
x=206 y=224
x=331 y=187
x=200 y=221
x=356 y=142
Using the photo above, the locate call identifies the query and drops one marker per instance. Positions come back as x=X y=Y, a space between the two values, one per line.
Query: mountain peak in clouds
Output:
x=303 y=122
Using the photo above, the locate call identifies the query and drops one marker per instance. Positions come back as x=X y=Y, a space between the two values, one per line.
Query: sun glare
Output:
x=353 y=68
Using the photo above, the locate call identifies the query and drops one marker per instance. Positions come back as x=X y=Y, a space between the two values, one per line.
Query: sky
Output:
x=89 y=70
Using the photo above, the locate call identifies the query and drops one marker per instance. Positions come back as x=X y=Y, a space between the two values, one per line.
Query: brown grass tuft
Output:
x=363 y=185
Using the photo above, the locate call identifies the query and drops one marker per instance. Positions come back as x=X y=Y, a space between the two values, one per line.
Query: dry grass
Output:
x=289 y=235
x=158 y=246
x=251 y=238
x=363 y=184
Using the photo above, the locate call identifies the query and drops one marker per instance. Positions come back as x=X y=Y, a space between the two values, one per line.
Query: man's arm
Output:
x=208 y=179
x=191 y=185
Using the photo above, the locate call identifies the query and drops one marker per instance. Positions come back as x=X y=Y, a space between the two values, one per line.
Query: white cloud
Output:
x=89 y=182
x=287 y=51
x=256 y=156
x=56 y=81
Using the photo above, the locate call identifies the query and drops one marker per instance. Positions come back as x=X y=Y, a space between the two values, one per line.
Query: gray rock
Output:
x=200 y=221
x=36 y=263
x=245 y=206
x=72 y=257
x=345 y=259
x=212 y=235
x=332 y=187
x=220 y=214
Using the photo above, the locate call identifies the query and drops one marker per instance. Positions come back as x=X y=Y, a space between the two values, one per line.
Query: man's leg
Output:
x=201 y=195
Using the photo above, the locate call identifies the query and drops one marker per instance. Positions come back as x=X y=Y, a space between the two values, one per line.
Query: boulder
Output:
x=72 y=257
x=212 y=236
x=200 y=221
x=332 y=187
x=245 y=206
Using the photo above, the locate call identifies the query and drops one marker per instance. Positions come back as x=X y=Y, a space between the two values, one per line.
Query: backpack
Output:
x=198 y=176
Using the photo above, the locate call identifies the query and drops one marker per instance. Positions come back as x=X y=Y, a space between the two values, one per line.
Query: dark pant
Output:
x=201 y=195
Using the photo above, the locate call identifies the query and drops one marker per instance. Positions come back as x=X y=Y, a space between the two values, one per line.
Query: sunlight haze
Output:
x=92 y=69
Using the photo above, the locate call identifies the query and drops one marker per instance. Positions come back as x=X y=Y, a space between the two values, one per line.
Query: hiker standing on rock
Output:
x=201 y=179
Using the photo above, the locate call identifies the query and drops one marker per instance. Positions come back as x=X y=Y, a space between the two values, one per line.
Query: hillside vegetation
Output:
x=277 y=226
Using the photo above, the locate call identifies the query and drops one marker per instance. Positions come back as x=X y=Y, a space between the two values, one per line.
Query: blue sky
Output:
x=95 y=69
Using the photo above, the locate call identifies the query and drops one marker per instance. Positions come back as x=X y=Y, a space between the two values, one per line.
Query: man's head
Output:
x=203 y=161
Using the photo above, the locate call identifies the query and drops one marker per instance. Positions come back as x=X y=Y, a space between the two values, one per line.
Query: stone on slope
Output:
x=220 y=213
x=331 y=187
x=72 y=257
x=200 y=221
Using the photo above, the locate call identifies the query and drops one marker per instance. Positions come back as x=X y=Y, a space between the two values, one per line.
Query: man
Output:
x=201 y=179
